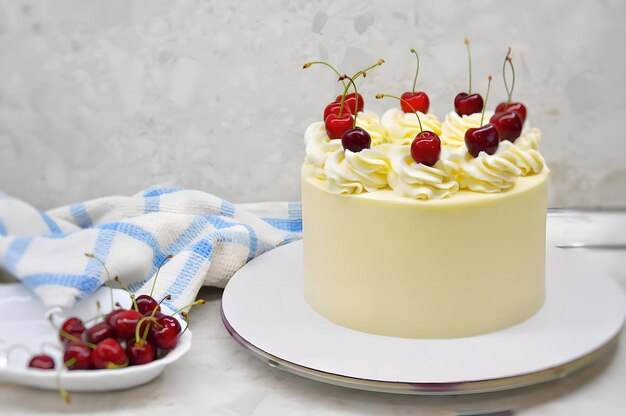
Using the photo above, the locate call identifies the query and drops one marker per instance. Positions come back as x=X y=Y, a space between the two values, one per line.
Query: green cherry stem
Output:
x=75 y=339
x=356 y=93
x=154 y=311
x=364 y=72
x=308 y=64
x=110 y=365
x=64 y=394
x=510 y=61
x=169 y=256
x=198 y=302
x=131 y=294
x=346 y=87
x=489 y=78
x=379 y=96
x=506 y=84
x=469 y=61
x=141 y=338
x=185 y=316
x=417 y=70
x=109 y=282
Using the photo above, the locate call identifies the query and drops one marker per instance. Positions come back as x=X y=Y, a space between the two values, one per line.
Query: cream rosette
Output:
x=318 y=147
x=402 y=127
x=369 y=121
x=454 y=127
x=348 y=172
x=416 y=180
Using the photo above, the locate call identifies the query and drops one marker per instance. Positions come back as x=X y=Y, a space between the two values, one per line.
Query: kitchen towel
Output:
x=208 y=238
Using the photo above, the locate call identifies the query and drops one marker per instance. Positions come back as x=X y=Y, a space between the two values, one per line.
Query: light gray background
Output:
x=109 y=97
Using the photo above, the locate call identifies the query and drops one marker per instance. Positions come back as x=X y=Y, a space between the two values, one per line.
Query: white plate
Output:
x=264 y=309
x=23 y=321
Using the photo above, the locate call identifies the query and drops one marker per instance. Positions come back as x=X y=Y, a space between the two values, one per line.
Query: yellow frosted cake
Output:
x=420 y=236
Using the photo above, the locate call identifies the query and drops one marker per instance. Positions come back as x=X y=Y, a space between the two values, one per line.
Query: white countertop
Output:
x=220 y=377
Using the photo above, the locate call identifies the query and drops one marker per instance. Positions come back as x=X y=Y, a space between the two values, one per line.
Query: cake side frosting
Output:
x=387 y=264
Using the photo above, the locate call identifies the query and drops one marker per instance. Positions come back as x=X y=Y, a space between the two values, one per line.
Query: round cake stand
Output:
x=264 y=309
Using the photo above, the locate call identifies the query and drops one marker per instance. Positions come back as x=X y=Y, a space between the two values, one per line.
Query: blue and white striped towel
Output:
x=209 y=239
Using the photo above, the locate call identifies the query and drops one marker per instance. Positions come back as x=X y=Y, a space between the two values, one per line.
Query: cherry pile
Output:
x=505 y=124
x=119 y=338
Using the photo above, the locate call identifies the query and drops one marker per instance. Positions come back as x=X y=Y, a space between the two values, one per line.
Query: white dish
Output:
x=23 y=320
x=264 y=309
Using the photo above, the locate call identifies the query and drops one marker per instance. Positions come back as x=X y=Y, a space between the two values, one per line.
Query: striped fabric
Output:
x=209 y=239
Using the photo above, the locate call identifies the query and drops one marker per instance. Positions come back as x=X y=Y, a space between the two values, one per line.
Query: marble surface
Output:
x=102 y=98
x=219 y=377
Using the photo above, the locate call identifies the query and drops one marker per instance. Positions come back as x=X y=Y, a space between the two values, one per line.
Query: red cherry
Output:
x=518 y=108
x=74 y=327
x=465 y=104
x=146 y=304
x=164 y=334
x=140 y=353
x=350 y=101
x=356 y=139
x=80 y=354
x=112 y=316
x=333 y=108
x=99 y=332
x=509 y=125
x=126 y=324
x=482 y=139
x=426 y=148
x=418 y=100
x=336 y=126
x=109 y=354
x=42 y=362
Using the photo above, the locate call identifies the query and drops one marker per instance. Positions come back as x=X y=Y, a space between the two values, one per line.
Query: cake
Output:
x=432 y=229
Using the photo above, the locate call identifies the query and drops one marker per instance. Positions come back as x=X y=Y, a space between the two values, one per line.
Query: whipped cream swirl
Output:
x=403 y=127
x=352 y=173
x=371 y=123
x=416 y=180
x=318 y=147
x=454 y=127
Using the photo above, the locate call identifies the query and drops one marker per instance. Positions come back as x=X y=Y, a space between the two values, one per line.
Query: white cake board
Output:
x=263 y=307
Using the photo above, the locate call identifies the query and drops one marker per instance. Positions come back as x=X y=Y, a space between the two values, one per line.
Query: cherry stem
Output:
x=186 y=317
x=198 y=302
x=469 y=60
x=346 y=87
x=379 y=96
x=109 y=283
x=308 y=64
x=154 y=311
x=489 y=78
x=364 y=72
x=70 y=362
x=417 y=70
x=112 y=365
x=132 y=295
x=16 y=347
x=139 y=338
x=64 y=394
x=75 y=339
x=510 y=61
x=169 y=256
x=356 y=95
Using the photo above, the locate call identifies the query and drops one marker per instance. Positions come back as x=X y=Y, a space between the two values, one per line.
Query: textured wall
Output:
x=108 y=97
